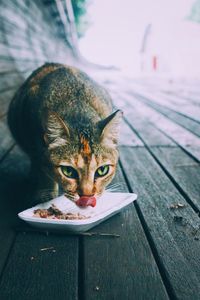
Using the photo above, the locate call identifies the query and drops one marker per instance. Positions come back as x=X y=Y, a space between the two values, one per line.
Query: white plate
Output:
x=107 y=205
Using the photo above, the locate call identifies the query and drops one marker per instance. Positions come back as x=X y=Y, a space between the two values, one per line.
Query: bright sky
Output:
x=117 y=29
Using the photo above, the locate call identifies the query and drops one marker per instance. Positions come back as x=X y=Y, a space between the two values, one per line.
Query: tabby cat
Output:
x=64 y=121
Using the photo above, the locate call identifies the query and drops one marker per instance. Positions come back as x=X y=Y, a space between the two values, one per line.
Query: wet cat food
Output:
x=54 y=213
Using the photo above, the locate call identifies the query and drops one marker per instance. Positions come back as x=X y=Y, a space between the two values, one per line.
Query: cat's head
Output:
x=83 y=158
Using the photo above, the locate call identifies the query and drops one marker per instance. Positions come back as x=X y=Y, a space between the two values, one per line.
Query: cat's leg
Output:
x=43 y=186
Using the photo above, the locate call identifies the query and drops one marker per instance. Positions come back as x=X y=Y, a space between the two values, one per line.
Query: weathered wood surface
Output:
x=172 y=238
x=41 y=267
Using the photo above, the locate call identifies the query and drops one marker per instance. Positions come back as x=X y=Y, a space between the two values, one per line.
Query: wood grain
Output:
x=33 y=273
x=13 y=174
x=171 y=231
x=170 y=130
x=183 y=169
x=187 y=116
x=6 y=141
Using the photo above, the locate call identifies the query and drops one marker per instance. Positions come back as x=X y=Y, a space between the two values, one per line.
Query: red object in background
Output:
x=155 y=63
x=84 y=201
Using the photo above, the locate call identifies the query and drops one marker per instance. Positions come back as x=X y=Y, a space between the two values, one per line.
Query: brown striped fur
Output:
x=60 y=116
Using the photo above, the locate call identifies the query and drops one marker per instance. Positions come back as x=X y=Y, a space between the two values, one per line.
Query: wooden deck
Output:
x=157 y=255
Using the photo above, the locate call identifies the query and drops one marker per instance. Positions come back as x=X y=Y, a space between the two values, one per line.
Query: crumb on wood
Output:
x=97 y=288
x=177 y=206
x=32 y=258
x=47 y=248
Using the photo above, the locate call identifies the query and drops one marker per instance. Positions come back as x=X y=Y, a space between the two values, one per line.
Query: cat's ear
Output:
x=56 y=130
x=110 y=128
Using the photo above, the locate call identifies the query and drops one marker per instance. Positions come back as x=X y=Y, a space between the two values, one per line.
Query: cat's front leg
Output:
x=43 y=186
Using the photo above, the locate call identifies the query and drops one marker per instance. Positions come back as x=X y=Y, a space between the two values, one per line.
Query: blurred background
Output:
x=143 y=37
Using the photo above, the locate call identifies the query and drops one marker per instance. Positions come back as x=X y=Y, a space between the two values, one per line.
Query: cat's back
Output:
x=67 y=90
x=62 y=89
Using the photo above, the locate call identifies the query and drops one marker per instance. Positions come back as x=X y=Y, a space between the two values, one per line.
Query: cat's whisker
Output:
x=44 y=191
x=70 y=195
x=114 y=187
x=45 y=195
x=51 y=177
x=112 y=190
x=115 y=184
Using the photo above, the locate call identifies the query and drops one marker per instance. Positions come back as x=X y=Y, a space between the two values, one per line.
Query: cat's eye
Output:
x=69 y=172
x=102 y=171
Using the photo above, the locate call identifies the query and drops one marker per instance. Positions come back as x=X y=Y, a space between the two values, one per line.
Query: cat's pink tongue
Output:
x=84 y=201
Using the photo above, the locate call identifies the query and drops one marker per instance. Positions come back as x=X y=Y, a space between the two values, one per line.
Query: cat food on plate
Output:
x=84 y=201
x=62 y=213
x=54 y=213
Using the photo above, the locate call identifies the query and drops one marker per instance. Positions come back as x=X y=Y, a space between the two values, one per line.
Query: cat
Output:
x=65 y=122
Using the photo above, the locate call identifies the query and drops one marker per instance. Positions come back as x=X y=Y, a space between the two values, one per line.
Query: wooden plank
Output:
x=168 y=155
x=23 y=61
x=22 y=19
x=2 y=37
x=33 y=13
x=117 y=268
x=33 y=273
x=168 y=100
x=13 y=174
x=179 y=118
x=128 y=137
x=174 y=233
x=9 y=65
x=6 y=140
x=5 y=98
x=178 y=104
x=18 y=53
x=191 y=95
x=175 y=108
x=180 y=167
x=7 y=236
x=9 y=80
x=16 y=43
x=135 y=120
x=141 y=113
x=183 y=169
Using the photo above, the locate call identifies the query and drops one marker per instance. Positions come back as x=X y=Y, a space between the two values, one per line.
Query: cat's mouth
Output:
x=83 y=201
